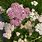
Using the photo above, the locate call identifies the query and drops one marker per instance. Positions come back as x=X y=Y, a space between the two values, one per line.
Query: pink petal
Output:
x=15 y=22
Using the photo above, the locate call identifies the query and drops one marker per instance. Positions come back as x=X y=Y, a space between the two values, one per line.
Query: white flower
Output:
x=8 y=10
x=33 y=10
x=38 y=28
x=1 y=10
x=7 y=35
x=34 y=3
x=21 y=5
x=12 y=28
x=17 y=33
x=40 y=18
x=25 y=40
x=33 y=15
x=27 y=26
x=1 y=25
x=8 y=30
x=14 y=41
x=20 y=40
x=9 y=27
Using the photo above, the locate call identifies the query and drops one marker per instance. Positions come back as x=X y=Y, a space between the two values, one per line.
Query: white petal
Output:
x=25 y=40
x=17 y=33
x=37 y=30
x=22 y=40
x=21 y=6
x=40 y=18
x=31 y=14
x=5 y=35
x=40 y=32
x=14 y=41
x=8 y=10
x=19 y=40
x=35 y=3
x=1 y=28
x=12 y=28
x=1 y=25
x=33 y=10
x=32 y=3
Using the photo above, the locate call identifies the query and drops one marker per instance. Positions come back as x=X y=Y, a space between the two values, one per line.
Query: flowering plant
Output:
x=20 y=21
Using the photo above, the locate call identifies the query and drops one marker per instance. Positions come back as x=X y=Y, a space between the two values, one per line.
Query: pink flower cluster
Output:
x=17 y=13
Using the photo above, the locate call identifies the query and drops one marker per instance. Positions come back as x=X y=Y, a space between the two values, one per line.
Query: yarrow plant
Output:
x=23 y=24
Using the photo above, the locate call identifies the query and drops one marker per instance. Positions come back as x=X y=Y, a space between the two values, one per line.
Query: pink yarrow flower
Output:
x=18 y=12
x=15 y=22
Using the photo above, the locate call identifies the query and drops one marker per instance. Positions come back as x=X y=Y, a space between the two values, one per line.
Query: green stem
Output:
x=36 y=39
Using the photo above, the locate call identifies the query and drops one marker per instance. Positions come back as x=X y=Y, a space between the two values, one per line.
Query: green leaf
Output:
x=1 y=40
x=5 y=17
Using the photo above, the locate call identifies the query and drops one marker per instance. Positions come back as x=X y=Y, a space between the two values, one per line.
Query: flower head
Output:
x=17 y=33
x=40 y=18
x=34 y=3
x=33 y=15
x=1 y=10
x=38 y=28
x=1 y=25
x=8 y=30
x=7 y=35
x=17 y=12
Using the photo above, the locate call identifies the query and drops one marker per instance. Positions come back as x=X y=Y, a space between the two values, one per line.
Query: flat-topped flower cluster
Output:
x=17 y=13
